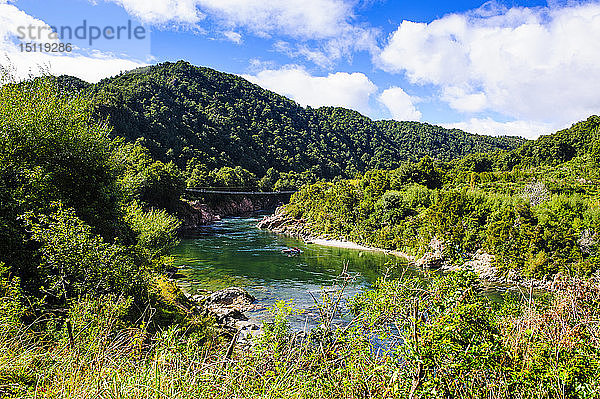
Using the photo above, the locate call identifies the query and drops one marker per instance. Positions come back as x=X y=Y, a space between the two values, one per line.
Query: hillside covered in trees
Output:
x=203 y=120
x=533 y=209
x=86 y=233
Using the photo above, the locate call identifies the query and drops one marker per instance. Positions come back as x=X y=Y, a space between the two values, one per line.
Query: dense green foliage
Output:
x=456 y=342
x=434 y=338
x=80 y=212
x=204 y=120
x=85 y=231
x=540 y=217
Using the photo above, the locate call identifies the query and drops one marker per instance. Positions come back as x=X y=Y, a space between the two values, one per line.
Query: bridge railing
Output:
x=233 y=191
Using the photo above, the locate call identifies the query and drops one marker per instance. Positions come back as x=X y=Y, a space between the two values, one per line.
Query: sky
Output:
x=521 y=67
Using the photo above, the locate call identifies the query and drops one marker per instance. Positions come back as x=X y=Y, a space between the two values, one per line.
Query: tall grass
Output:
x=456 y=344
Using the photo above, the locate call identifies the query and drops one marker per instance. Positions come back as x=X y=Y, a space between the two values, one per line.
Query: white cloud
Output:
x=461 y=100
x=331 y=23
x=488 y=126
x=350 y=90
x=163 y=11
x=312 y=19
x=320 y=57
x=14 y=23
x=90 y=67
x=534 y=64
x=233 y=36
x=400 y=104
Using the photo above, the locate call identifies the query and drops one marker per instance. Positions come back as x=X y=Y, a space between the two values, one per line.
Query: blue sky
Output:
x=504 y=67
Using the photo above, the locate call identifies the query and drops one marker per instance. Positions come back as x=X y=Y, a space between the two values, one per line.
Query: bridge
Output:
x=235 y=191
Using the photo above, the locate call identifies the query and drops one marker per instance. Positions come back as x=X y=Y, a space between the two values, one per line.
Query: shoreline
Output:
x=481 y=262
x=280 y=223
x=329 y=242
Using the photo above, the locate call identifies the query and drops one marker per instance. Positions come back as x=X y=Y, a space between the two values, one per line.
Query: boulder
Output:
x=227 y=306
x=232 y=297
x=435 y=258
x=431 y=260
x=228 y=317
x=483 y=264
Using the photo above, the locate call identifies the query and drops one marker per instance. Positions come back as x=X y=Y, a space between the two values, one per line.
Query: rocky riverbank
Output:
x=196 y=213
x=480 y=262
x=282 y=223
x=228 y=307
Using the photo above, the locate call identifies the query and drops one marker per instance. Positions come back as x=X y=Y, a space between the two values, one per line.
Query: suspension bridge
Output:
x=236 y=191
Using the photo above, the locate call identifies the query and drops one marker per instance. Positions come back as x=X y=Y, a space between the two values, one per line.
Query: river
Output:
x=233 y=252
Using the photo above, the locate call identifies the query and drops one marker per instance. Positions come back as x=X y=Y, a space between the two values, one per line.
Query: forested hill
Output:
x=564 y=145
x=194 y=115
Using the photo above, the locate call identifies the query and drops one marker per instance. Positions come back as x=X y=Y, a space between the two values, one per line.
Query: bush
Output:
x=456 y=342
x=12 y=309
x=156 y=233
x=392 y=208
x=75 y=262
x=52 y=150
x=233 y=177
x=151 y=183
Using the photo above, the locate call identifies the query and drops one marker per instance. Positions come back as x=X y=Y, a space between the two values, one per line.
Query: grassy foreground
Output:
x=456 y=343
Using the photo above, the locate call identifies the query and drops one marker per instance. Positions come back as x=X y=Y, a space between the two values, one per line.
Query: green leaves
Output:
x=74 y=261
x=486 y=211
x=12 y=307
x=185 y=112
x=156 y=233
x=143 y=180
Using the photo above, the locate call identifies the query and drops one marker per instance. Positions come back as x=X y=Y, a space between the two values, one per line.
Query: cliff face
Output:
x=194 y=214
x=282 y=223
x=198 y=213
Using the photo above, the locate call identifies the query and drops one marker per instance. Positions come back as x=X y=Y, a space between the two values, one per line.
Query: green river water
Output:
x=233 y=252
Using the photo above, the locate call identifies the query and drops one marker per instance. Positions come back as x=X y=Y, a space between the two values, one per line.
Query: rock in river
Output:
x=232 y=297
x=227 y=306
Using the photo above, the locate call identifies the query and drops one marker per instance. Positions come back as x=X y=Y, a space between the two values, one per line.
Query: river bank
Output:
x=195 y=213
x=233 y=252
x=281 y=223
x=480 y=262
x=329 y=242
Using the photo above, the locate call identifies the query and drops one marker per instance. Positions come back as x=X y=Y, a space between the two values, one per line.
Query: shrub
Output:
x=156 y=233
x=151 y=183
x=74 y=261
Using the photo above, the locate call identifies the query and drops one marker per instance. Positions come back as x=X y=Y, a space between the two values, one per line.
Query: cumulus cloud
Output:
x=488 y=126
x=329 y=24
x=528 y=64
x=312 y=19
x=460 y=99
x=90 y=67
x=14 y=23
x=400 y=104
x=350 y=90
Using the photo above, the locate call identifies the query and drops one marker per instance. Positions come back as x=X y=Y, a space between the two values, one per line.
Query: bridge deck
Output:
x=223 y=192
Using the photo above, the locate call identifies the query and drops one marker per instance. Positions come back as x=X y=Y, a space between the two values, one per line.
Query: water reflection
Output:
x=234 y=252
